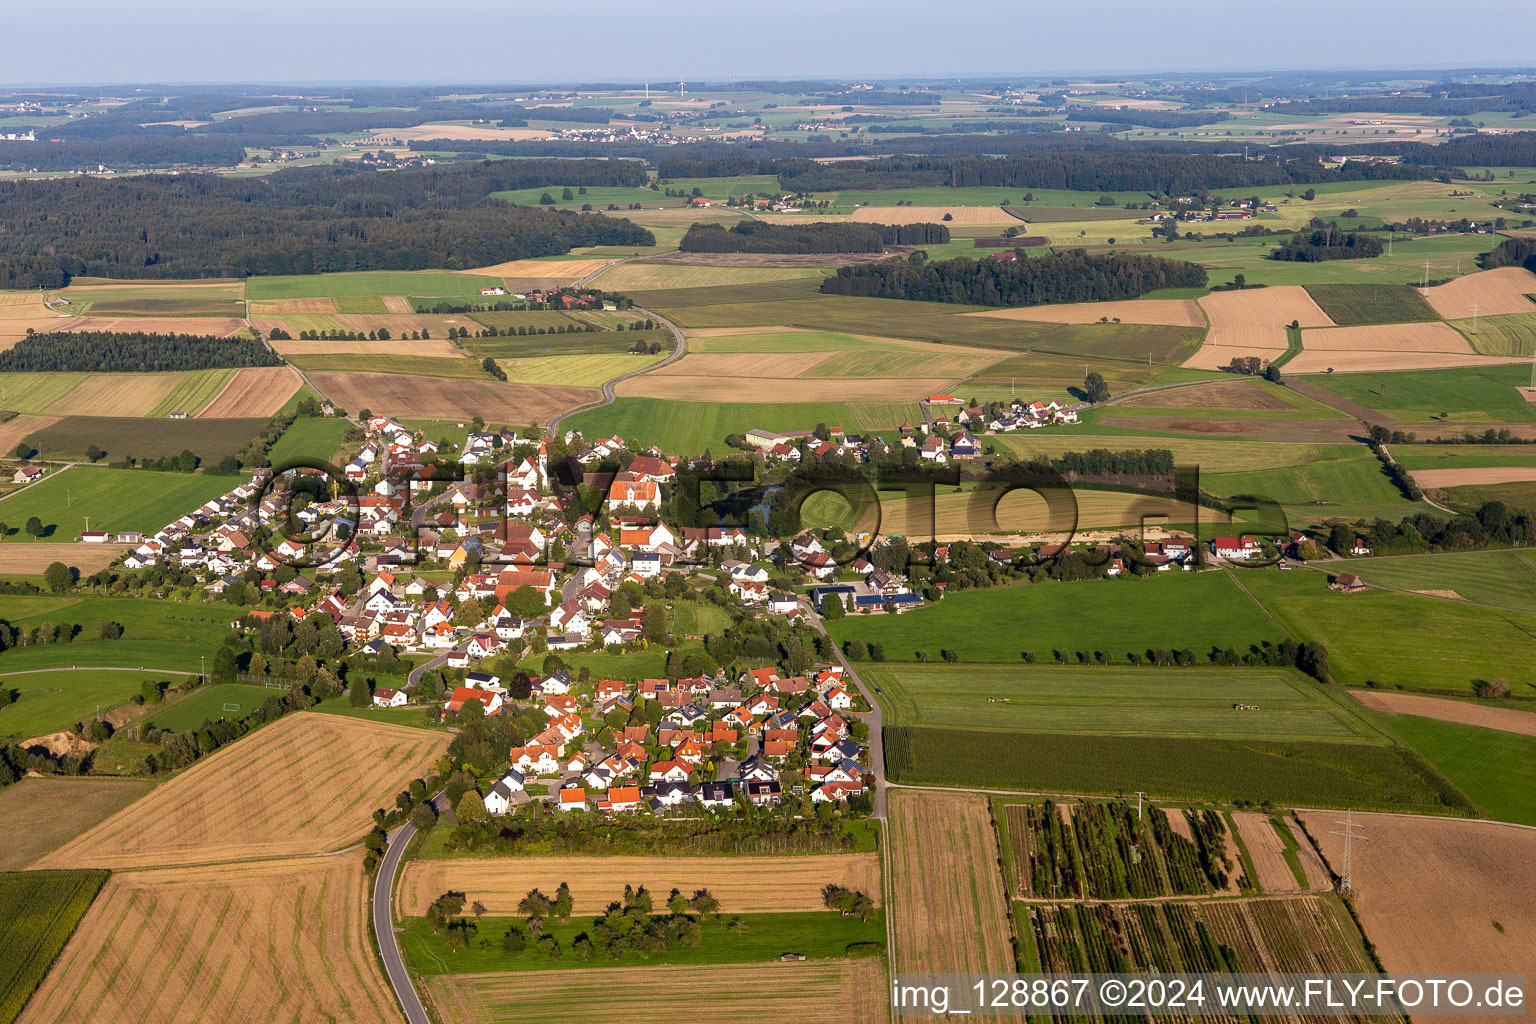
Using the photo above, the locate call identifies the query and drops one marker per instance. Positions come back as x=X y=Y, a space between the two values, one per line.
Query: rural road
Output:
x=554 y=424
x=384 y=923
x=99 y=668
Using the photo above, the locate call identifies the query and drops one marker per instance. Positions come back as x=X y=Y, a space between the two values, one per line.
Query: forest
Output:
x=1064 y=277
x=131 y=352
x=301 y=221
x=1327 y=242
x=1512 y=252
x=757 y=236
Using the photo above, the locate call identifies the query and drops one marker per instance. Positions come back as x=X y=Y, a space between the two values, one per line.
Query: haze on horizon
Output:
x=182 y=41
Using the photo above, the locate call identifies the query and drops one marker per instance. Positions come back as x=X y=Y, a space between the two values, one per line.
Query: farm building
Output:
x=1347 y=583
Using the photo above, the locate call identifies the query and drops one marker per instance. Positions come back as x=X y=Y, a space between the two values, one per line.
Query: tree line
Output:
x=1073 y=276
x=131 y=352
x=760 y=237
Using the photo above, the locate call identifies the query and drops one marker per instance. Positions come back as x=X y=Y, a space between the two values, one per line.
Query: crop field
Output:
x=370 y=282
x=1512 y=334
x=1504 y=290
x=32 y=559
x=140 y=394
x=1438 y=895
x=41 y=814
x=119 y=436
x=1399 y=639
x=1243 y=397
x=50 y=701
x=1354 y=305
x=776 y=339
x=289 y=805
x=191 y=944
x=360 y=304
x=34 y=392
x=254 y=391
x=309 y=437
x=1282 y=864
x=1284 y=772
x=629 y=277
x=566 y=269
x=1520 y=719
x=1495 y=768
x=22 y=310
x=1253 y=322
x=114 y=499
x=441 y=398
x=1112 y=851
x=1384 y=338
x=213 y=306
x=193 y=391
x=1465 y=476
x=813 y=992
x=576 y=370
x=743 y=885
x=1114 y=701
x=959 y=215
x=1448 y=256
x=457 y=366
x=1173 y=610
x=684 y=427
x=218 y=326
x=948 y=910
x=38 y=913
x=1475 y=394
x=1506 y=578
x=1210 y=456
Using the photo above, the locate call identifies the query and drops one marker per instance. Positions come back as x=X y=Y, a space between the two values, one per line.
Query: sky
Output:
x=179 y=41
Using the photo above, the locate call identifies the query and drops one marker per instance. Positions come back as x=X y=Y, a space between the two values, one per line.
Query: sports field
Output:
x=209 y=703
x=113 y=499
x=1114 y=700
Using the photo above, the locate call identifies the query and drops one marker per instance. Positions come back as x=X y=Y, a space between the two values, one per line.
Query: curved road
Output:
x=677 y=352
x=384 y=922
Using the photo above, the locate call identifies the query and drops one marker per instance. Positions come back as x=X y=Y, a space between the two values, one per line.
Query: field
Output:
x=1355 y=305
x=194 y=391
x=1506 y=578
x=1399 y=639
x=1210 y=456
x=117 y=394
x=681 y=427
x=289 y=803
x=50 y=701
x=208 y=703
x=439 y=348
x=1462 y=456
x=458 y=365
x=1504 y=290
x=630 y=277
x=1495 y=767
x=1438 y=895
x=309 y=437
x=1281 y=863
x=1196 y=610
x=1174 y=312
x=438 y=398
x=932 y=215
x=1465 y=477
x=1513 y=334
x=1348 y=477
x=813 y=992
x=255 y=391
x=217 y=326
x=34 y=392
x=1519 y=719
x=285 y=940
x=32 y=559
x=114 y=499
x=1114 y=701
x=22 y=310
x=1474 y=394
x=743 y=885
x=211 y=440
x=563 y=270
x=372 y=282
x=787 y=390
x=1388 y=338
x=41 y=814
x=38 y=913
x=577 y=370
x=1253 y=322
x=228 y=308
x=163 y=635
x=948 y=910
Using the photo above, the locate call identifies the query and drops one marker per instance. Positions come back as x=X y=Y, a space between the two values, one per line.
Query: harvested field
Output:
x=1267 y=851
x=1503 y=719
x=931 y=215
x=215 y=325
x=567 y=270
x=746 y=364
x=41 y=814
x=743 y=885
x=285 y=940
x=22 y=310
x=289 y=307
x=1464 y=477
x=1492 y=291
x=780 y=389
x=1316 y=361
x=630 y=277
x=398 y=324
x=116 y=394
x=764 y=259
x=443 y=398
x=812 y=992
x=1174 y=312
x=290 y=801
x=1429 y=337
x=1437 y=894
x=396 y=304
x=17 y=427
x=948 y=909
x=1253 y=322
x=457 y=131
x=436 y=347
x=32 y=559
x=1220 y=394
x=253 y=391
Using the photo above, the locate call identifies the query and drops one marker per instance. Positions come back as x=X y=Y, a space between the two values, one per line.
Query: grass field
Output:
x=157 y=634
x=1196 y=610
x=38 y=913
x=1210 y=456
x=1114 y=701
x=1470 y=394
x=699 y=618
x=209 y=439
x=50 y=701
x=34 y=392
x=1284 y=772
x=1496 y=769
x=209 y=703
x=690 y=427
x=41 y=814
x=113 y=499
x=1506 y=578
x=1512 y=334
x=1348 y=477
x=1448 y=255
x=309 y=437
x=1400 y=639
x=1351 y=305
x=370 y=282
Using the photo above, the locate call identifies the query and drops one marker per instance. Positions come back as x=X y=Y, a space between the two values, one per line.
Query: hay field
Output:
x=959 y=215
x=218 y=326
x=781 y=389
x=458 y=132
x=629 y=277
x=1321 y=361
x=302 y=785
x=444 y=398
x=565 y=270
x=1464 y=712
x=743 y=885
x=32 y=559
x=21 y=310
x=1473 y=476
x=253 y=391
x=283 y=940
x=1253 y=322
x=396 y=304
x=812 y=992
x=948 y=911
x=1173 y=312
x=747 y=364
x=40 y=814
x=294 y=307
x=1503 y=290
x=1429 y=890
x=117 y=394
x=576 y=371
x=435 y=347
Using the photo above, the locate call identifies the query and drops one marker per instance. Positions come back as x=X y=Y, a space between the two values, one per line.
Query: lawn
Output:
x=687 y=428
x=1175 y=610
x=209 y=703
x=1496 y=769
x=415 y=717
x=369 y=282
x=1350 y=305
x=1505 y=578
x=38 y=913
x=1400 y=639
x=1114 y=701
x=699 y=618
x=817 y=934
x=1477 y=393
x=49 y=701
x=112 y=499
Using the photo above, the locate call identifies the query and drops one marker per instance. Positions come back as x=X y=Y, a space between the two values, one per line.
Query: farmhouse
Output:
x=1235 y=548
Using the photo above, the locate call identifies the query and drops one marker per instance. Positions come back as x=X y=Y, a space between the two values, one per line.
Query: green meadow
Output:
x=113 y=500
x=369 y=282
x=1506 y=578
x=691 y=427
x=1496 y=769
x=49 y=701
x=1474 y=393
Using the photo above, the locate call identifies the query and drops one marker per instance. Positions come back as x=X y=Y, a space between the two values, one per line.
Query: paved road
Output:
x=875 y=718
x=419 y=670
x=384 y=921
x=677 y=352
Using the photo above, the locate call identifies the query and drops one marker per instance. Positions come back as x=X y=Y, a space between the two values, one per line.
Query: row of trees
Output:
x=131 y=352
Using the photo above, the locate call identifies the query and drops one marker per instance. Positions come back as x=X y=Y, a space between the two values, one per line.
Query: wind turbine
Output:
x=680 y=84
